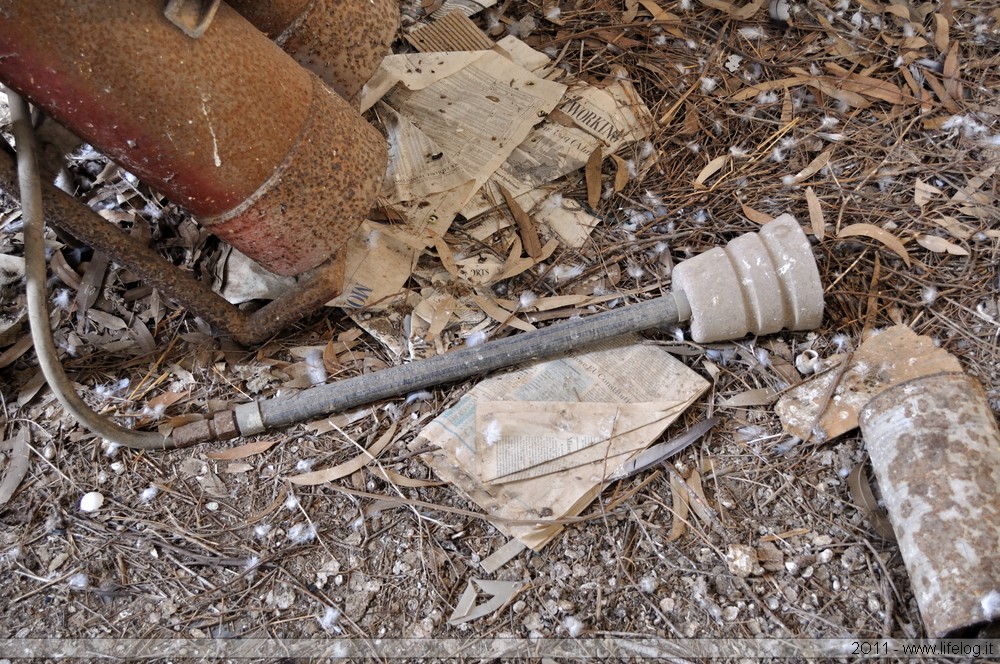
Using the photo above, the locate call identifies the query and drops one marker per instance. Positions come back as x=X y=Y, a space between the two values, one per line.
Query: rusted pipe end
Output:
x=317 y=197
x=935 y=448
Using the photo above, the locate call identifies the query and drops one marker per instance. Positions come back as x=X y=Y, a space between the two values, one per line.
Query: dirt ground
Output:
x=186 y=545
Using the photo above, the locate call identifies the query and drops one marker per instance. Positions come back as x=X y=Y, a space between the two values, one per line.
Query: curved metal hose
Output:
x=38 y=314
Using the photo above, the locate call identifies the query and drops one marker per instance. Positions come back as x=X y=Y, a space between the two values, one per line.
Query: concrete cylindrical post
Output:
x=935 y=448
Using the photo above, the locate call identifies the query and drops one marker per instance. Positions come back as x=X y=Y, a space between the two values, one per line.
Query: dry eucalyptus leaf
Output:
x=17 y=468
x=756 y=216
x=348 y=467
x=923 y=192
x=815 y=214
x=710 y=169
x=814 y=166
x=621 y=173
x=939 y=245
x=876 y=233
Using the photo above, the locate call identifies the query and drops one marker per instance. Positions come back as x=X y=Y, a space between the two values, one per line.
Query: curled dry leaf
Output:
x=17 y=468
x=710 y=169
x=621 y=173
x=876 y=233
x=740 y=13
x=348 y=467
x=680 y=504
x=525 y=226
x=814 y=166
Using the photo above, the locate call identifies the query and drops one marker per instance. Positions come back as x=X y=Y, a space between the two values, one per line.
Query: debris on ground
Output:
x=533 y=447
x=876 y=125
x=827 y=405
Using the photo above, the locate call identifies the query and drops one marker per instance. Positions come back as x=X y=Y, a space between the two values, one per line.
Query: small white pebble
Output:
x=212 y=506
x=91 y=502
x=648 y=584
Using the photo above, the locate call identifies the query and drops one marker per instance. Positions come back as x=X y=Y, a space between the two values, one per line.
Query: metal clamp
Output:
x=192 y=16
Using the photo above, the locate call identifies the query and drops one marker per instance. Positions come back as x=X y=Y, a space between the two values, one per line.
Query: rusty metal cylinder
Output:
x=226 y=125
x=342 y=41
x=935 y=448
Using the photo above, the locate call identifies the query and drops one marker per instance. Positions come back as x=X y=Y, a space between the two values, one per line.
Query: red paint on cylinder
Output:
x=214 y=123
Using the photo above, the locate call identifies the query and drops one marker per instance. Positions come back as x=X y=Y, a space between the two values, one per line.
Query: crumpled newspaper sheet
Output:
x=458 y=124
x=563 y=426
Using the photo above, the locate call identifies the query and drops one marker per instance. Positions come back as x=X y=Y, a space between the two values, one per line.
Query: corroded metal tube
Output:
x=935 y=448
x=311 y=291
x=227 y=125
x=342 y=41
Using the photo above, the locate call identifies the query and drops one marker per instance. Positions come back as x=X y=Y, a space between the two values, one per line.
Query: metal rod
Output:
x=470 y=361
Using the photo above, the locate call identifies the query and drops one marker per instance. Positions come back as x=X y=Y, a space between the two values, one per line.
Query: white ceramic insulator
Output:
x=759 y=283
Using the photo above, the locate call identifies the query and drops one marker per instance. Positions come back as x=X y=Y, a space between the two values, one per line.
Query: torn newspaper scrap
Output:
x=827 y=406
x=550 y=434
